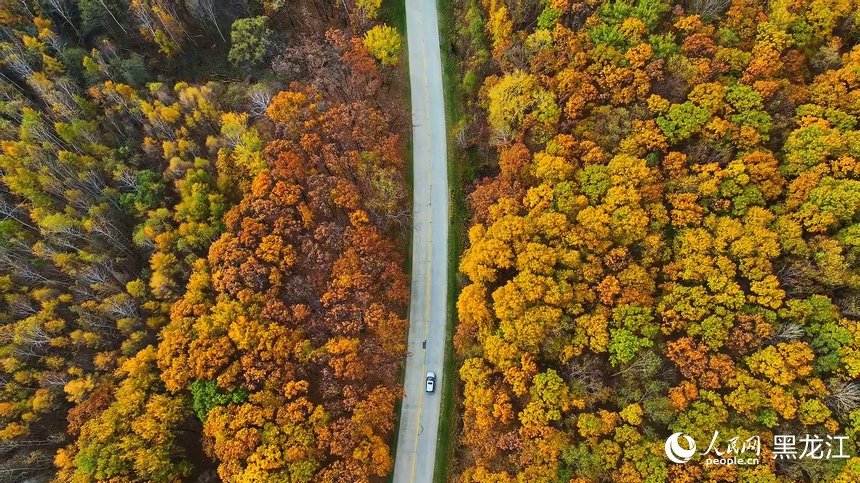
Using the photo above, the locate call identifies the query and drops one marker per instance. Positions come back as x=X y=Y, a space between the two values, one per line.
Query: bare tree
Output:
x=259 y=99
x=708 y=9
x=9 y=211
x=844 y=396
x=144 y=17
x=100 y=279
x=63 y=12
x=97 y=322
x=502 y=134
x=849 y=305
x=55 y=42
x=207 y=10
x=108 y=9
x=121 y=307
x=34 y=336
x=795 y=277
x=49 y=440
x=643 y=367
x=26 y=6
x=24 y=466
x=587 y=371
x=64 y=99
x=787 y=332
x=20 y=306
x=104 y=227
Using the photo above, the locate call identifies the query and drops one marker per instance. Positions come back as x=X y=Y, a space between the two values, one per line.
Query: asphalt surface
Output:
x=419 y=416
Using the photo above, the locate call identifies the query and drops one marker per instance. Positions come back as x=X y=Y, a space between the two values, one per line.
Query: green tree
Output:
x=682 y=121
x=206 y=395
x=250 y=40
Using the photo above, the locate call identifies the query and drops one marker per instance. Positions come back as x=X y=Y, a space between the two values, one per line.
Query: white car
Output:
x=430 y=381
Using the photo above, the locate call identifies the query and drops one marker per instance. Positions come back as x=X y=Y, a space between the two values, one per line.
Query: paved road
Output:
x=419 y=416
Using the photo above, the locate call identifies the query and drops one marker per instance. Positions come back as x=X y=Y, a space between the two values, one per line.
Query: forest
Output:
x=204 y=225
x=664 y=237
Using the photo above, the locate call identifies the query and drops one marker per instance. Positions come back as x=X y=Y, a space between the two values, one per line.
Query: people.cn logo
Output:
x=675 y=452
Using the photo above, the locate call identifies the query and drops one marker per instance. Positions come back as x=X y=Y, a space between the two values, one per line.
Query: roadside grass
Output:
x=459 y=174
x=393 y=12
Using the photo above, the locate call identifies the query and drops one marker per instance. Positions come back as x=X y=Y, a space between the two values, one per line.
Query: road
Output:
x=419 y=415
